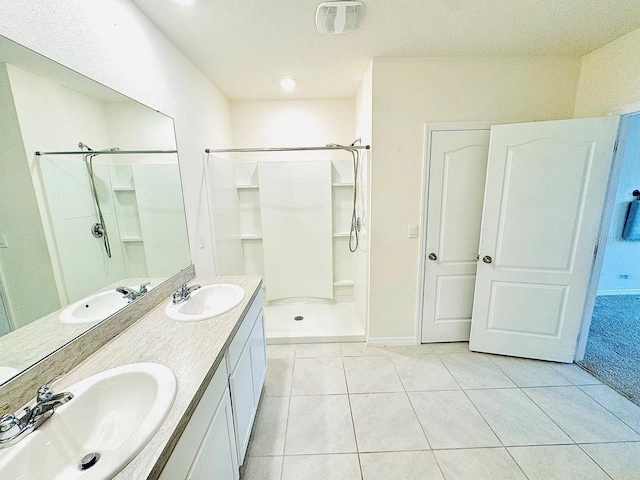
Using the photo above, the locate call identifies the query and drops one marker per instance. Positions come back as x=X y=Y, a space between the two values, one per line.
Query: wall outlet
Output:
x=3 y=241
x=413 y=231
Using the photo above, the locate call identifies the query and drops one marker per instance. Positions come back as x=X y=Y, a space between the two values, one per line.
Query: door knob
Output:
x=433 y=256
x=487 y=259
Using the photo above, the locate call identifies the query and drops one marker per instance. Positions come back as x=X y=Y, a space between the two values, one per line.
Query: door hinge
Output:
x=595 y=250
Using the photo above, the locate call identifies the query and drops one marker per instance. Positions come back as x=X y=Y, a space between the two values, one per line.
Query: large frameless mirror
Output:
x=91 y=207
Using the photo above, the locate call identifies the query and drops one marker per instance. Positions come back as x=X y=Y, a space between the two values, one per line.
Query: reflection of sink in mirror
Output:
x=206 y=302
x=6 y=373
x=95 y=307
x=113 y=414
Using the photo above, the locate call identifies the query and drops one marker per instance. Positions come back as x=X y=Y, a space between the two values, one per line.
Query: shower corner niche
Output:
x=127 y=212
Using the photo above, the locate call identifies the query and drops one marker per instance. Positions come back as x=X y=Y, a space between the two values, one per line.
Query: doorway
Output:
x=613 y=340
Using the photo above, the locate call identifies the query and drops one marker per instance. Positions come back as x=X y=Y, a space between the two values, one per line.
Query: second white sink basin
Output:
x=95 y=308
x=206 y=302
x=113 y=414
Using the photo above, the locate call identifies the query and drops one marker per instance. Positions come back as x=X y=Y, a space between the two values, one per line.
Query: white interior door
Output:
x=457 y=169
x=545 y=190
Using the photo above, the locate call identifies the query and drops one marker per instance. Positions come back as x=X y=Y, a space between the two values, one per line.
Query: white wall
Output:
x=407 y=92
x=622 y=257
x=610 y=77
x=112 y=42
x=364 y=118
x=25 y=266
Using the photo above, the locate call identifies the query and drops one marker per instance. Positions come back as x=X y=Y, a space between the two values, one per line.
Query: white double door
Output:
x=540 y=216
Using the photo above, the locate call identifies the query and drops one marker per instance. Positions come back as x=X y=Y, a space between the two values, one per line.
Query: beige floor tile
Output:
x=581 y=417
x=419 y=465
x=622 y=408
x=478 y=464
x=262 y=468
x=421 y=373
x=557 y=462
x=575 y=374
x=529 y=373
x=321 y=467
x=279 y=377
x=453 y=347
x=515 y=419
x=270 y=428
x=318 y=376
x=320 y=424
x=450 y=420
x=620 y=460
x=318 y=350
x=281 y=351
x=473 y=370
x=386 y=422
x=359 y=349
x=371 y=375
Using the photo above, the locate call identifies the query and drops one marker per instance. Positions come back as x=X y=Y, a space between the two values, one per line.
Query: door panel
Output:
x=544 y=195
x=457 y=162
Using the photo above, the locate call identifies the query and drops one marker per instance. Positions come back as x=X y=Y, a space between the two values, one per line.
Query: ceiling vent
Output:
x=339 y=17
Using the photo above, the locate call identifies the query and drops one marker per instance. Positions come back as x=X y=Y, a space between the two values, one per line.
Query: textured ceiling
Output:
x=245 y=47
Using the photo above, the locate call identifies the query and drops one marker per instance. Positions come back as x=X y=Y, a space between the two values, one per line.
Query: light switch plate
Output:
x=413 y=231
x=3 y=241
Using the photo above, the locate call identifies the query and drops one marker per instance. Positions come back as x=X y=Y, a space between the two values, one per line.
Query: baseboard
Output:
x=618 y=292
x=327 y=339
x=392 y=341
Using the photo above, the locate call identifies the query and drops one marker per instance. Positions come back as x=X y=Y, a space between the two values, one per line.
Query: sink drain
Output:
x=89 y=460
x=297 y=318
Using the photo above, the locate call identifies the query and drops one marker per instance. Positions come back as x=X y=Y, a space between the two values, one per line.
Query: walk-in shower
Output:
x=297 y=219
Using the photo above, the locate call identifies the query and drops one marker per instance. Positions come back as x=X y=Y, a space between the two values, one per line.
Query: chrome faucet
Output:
x=13 y=428
x=183 y=293
x=132 y=294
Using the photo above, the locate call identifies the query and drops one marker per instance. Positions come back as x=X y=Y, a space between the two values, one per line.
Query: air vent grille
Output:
x=339 y=17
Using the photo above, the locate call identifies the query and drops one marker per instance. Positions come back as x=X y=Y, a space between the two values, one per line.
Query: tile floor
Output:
x=351 y=412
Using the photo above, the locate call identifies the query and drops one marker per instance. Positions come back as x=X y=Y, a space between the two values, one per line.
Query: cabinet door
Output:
x=216 y=458
x=242 y=397
x=258 y=357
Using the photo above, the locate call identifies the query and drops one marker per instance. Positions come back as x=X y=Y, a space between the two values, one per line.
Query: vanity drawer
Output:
x=244 y=332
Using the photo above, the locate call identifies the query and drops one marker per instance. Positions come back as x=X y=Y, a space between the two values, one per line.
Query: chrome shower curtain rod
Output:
x=114 y=152
x=286 y=149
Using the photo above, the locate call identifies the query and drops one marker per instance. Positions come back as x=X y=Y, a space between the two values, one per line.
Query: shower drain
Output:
x=297 y=318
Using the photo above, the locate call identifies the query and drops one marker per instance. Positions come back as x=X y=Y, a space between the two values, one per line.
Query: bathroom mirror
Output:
x=91 y=206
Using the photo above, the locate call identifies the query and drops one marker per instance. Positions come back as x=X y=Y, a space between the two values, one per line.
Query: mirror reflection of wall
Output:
x=49 y=257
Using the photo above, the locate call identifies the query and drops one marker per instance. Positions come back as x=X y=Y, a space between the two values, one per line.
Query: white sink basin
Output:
x=94 y=308
x=6 y=373
x=114 y=414
x=206 y=302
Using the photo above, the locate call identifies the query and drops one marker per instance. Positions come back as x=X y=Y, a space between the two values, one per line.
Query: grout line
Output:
x=286 y=428
x=594 y=461
x=353 y=425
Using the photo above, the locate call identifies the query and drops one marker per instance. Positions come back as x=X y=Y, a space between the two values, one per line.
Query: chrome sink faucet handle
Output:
x=183 y=293
x=143 y=288
x=13 y=428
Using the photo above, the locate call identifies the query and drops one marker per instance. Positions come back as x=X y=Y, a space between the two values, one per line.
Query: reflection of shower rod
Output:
x=107 y=152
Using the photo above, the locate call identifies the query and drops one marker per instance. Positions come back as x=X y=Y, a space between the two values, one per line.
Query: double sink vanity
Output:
x=173 y=396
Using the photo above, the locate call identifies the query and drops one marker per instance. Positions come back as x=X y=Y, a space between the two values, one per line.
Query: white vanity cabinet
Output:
x=214 y=443
x=207 y=447
x=247 y=364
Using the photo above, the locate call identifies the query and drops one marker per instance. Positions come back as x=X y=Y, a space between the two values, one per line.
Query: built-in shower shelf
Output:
x=132 y=239
x=250 y=237
x=341 y=184
x=343 y=283
x=247 y=187
x=124 y=189
x=341 y=234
